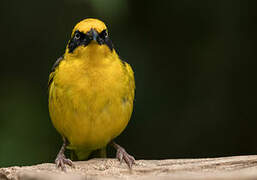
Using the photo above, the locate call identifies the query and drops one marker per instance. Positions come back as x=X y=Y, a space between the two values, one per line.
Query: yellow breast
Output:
x=91 y=99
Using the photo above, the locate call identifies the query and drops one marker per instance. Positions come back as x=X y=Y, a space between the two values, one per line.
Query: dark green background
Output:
x=194 y=63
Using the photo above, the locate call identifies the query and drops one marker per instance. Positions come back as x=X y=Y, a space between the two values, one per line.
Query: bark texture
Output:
x=237 y=167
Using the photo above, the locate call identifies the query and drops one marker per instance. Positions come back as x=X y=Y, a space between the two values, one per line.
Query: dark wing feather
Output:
x=56 y=64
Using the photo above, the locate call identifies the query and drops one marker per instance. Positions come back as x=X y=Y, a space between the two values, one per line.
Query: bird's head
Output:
x=89 y=36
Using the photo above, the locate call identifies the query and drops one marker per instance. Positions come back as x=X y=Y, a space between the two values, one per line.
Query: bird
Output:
x=91 y=95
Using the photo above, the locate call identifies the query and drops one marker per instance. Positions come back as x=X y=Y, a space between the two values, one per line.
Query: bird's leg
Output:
x=123 y=155
x=61 y=160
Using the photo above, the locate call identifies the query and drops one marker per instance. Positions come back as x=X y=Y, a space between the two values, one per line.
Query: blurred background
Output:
x=194 y=63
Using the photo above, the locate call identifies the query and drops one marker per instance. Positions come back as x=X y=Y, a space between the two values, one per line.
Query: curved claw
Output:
x=60 y=162
x=122 y=155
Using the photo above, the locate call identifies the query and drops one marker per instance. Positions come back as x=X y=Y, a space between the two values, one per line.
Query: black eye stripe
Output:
x=75 y=41
x=103 y=34
x=106 y=40
x=81 y=35
x=79 y=39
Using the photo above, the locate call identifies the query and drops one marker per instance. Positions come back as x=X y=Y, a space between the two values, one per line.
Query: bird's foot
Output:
x=61 y=160
x=122 y=155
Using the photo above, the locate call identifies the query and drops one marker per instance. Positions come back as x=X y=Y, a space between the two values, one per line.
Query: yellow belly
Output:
x=90 y=109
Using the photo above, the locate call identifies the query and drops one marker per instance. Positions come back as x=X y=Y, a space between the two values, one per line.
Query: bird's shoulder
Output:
x=128 y=68
x=129 y=73
x=53 y=69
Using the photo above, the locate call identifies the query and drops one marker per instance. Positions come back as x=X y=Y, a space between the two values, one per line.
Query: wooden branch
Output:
x=233 y=168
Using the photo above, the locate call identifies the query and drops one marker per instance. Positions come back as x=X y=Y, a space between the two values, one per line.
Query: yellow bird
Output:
x=91 y=94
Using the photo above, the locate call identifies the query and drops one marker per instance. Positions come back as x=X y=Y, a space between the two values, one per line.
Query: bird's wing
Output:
x=131 y=75
x=130 y=78
x=52 y=73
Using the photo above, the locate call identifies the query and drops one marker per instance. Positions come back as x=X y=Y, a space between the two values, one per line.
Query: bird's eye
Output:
x=77 y=35
x=104 y=34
